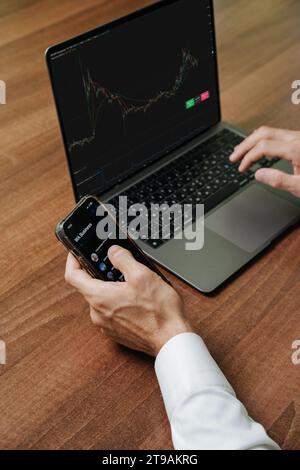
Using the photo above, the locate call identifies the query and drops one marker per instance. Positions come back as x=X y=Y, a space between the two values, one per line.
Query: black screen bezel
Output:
x=100 y=30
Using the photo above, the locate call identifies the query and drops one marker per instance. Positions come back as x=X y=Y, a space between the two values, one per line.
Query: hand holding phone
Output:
x=78 y=233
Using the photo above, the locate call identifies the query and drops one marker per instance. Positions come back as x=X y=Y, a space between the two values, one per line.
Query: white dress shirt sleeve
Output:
x=202 y=407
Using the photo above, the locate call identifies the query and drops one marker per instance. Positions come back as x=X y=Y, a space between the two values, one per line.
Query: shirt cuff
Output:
x=183 y=366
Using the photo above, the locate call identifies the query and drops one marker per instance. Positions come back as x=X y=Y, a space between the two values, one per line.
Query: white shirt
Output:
x=202 y=407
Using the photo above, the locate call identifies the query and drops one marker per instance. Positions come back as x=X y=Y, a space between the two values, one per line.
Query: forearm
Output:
x=203 y=410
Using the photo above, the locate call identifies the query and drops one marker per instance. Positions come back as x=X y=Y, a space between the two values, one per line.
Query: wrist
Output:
x=168 y=332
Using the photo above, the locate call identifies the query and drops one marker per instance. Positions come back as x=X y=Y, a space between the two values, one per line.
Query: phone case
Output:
x=85 y=263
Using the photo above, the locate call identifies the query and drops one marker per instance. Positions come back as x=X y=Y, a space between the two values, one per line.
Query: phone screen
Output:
x=81 y=229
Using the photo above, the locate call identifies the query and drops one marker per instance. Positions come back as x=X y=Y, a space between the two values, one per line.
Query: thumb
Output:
x=279 y=179
x=123 y=260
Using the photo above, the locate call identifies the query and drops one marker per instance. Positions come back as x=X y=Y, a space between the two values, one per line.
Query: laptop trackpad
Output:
x=252 y=218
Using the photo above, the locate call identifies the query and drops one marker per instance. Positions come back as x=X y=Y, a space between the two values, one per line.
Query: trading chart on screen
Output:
x=128 y=95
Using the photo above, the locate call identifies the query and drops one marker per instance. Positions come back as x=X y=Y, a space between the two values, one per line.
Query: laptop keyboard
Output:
x=204 y=175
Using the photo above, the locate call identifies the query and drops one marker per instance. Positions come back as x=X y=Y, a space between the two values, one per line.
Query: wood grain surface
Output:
x=65 y=386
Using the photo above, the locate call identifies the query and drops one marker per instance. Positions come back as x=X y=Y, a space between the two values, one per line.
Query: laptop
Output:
x=138 y=102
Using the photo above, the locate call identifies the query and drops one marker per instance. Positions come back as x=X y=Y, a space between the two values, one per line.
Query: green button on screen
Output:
x=190 y=104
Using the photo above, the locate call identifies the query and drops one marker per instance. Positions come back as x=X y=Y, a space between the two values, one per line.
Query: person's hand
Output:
x=142 y=313
x=269 y=142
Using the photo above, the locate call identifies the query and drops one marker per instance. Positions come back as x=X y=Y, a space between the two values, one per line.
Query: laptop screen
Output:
x=132 y=91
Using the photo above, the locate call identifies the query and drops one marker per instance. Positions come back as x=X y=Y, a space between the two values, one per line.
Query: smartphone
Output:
x=78 y=233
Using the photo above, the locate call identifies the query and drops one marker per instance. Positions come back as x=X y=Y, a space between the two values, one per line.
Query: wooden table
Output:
x=64 y=386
